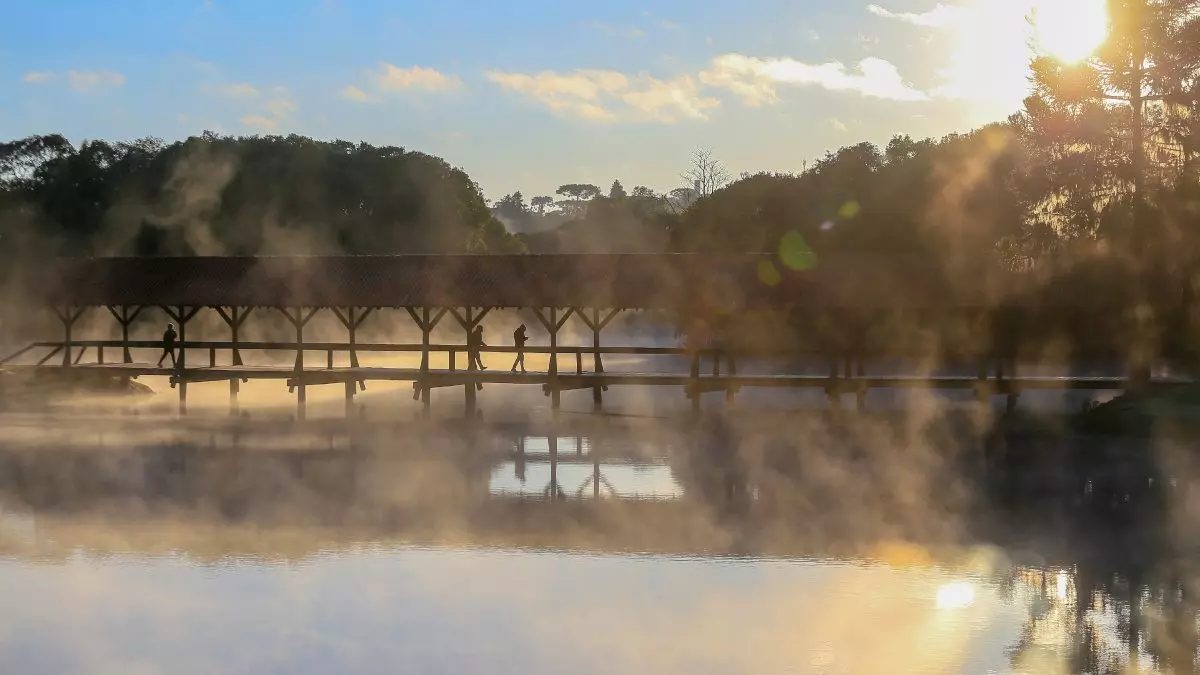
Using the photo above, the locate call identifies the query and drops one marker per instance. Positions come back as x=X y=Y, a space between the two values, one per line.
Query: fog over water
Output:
x=746 y=541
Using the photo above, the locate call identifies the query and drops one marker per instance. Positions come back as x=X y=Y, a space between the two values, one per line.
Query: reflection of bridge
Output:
x=710 y=294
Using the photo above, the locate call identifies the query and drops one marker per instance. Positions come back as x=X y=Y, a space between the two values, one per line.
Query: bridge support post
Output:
x=553 y=323
x=352 y=321
x=597 y=324
x=125 y=319
x=234 y=318
x=833 y=389
x=695 y=381
x=350 y=398
x=181 y=315
x=469 y=320
x=68 y=316
x=426 y=323
x=299 y=318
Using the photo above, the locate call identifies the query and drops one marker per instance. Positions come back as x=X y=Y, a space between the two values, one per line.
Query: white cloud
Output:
x=94 y=80
x=610 y=96
x=260 y=122
x=756 y=80
x=838 y=125
x=37 y=77
x=623 y=32
x=234 y=90
x=271 y=114
x=390 y=78
x=938 y=17
x=280 y=106
x=353 y=93
x=985 y=44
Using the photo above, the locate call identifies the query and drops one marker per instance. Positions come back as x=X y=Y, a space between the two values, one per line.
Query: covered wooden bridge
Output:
x=430 y=289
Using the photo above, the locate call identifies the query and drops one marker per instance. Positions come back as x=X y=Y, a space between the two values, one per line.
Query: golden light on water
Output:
x=955 y=595
x=1069 y=30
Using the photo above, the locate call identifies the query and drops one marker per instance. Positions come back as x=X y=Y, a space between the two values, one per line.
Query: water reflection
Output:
x=759 y=548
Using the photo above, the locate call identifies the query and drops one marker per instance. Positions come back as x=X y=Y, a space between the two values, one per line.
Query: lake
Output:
x=740 y=543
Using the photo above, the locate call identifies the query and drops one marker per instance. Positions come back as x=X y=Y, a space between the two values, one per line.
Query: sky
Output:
x=531 y=94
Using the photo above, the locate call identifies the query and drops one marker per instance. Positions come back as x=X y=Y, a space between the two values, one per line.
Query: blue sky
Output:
x=523 y=94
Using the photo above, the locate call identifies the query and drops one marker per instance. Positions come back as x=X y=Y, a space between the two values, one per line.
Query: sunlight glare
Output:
x=1069 y=30
x=955 y=595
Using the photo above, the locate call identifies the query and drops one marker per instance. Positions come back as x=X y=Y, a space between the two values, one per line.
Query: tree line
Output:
x=1102 y=161
x=223 y=195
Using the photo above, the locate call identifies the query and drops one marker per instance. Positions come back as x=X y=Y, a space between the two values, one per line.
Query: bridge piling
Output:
x=299 y=319
x=181 y=314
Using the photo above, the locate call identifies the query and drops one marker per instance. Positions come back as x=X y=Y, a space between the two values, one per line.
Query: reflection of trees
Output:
x=1126 y=595
x=1103 y=620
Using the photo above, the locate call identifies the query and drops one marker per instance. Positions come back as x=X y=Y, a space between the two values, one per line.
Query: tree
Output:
x=617 y=191
x=237 y=195
x=578 y=194
x=539 y=204
x=706 y=174
x=1113 y=128
x=948 y=201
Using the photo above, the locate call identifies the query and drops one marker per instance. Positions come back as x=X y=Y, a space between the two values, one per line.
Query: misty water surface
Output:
x=734 y=544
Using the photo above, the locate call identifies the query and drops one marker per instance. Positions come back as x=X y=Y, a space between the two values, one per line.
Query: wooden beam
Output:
x=537 y=311
x=612 y=314
x=363 y=317
x=246 y=311
x=18 y=353
x=563 y=321
x=50 y=355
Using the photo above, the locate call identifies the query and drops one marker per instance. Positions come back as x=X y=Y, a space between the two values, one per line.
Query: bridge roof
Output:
x=629 y=281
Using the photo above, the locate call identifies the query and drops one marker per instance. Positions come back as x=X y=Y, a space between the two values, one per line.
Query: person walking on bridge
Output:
x=474 y=344
x=519 y=340
x=168 y=341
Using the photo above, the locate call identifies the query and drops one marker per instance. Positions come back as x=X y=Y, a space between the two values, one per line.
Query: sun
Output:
x=1068 y=30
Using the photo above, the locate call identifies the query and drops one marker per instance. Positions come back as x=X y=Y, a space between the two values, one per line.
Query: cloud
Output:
x=938 y=17
x=272 y=114
x=985 y=46
x=755 y=80
x=94 y=80
x=37 y=77
x=280 y=106
x=838 y=125
x=391 y=79
x=610 y=96
x=260 y=122
x=353 y=93
x=234 y=90
x=623 y=32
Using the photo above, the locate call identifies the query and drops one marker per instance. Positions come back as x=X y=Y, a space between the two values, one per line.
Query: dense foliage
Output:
x=224 y=195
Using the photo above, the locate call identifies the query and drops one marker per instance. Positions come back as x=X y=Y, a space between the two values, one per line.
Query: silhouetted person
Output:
x=168 y=345
x=474 y=344
x=519 y=340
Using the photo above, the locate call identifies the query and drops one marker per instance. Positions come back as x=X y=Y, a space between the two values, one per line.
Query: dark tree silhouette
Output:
x=250 y=195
